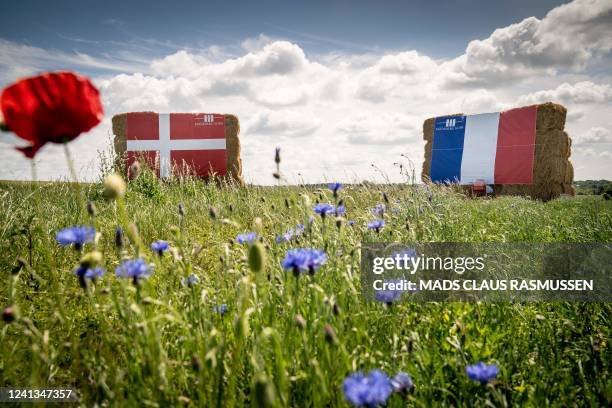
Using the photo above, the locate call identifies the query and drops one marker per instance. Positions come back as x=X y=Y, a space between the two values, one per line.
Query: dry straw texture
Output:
x=553 y=173
x=232 y=130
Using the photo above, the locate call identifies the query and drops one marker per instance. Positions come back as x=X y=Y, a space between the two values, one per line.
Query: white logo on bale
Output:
x=201 y=144
x=521 y=151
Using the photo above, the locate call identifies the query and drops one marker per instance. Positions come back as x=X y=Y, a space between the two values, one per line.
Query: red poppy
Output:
x=54 y=107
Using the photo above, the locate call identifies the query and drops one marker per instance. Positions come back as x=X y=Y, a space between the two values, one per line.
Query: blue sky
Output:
x=436 y=28
x=342 y=87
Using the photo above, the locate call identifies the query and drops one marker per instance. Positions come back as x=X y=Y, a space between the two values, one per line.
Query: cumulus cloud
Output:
x=480 y=101
x=277 y=58
x=392 y=73
x=568 y=37
x=581 y=92
x=594 y=135
x=282 y=124
x=379 y=129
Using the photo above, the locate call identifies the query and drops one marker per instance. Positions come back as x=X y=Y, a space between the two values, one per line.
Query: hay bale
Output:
x=553 y=173
x=232 y=144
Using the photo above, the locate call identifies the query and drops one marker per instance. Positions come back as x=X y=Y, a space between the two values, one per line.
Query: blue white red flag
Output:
x=496 y=147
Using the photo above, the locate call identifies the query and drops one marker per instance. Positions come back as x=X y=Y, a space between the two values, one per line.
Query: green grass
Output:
x=162 y=344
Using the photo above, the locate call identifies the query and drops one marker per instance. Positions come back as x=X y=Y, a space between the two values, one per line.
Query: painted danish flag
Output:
x=168 y=141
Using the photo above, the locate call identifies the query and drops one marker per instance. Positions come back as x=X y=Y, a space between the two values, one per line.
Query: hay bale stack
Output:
x=553 y=173
x=232 y=144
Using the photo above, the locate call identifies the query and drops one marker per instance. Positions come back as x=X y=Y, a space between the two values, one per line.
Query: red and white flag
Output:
x=170 y=141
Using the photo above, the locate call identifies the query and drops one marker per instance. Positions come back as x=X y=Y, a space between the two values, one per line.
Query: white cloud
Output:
x=580 y=93
x=282 y=124
x=480 y=101
x=379 y=129
x=568 y=37
x=17 y=60
x=277 y=58
x=594 y=135
x=256 y=43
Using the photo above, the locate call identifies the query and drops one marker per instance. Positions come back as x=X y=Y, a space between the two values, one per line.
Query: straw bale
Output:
x=553 y=172
x=232 y=141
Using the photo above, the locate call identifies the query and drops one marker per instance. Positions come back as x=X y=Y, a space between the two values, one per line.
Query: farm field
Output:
x=219 y=324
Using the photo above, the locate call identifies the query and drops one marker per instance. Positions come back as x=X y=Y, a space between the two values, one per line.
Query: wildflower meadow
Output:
x=191 y=293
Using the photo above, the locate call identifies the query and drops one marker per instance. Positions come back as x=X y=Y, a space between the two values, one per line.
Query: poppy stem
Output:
x=73 y=173
x=75 y=178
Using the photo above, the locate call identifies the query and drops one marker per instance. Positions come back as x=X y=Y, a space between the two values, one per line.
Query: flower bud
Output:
x=258 y=225
x=119 y=240
x=114 y=186
x=91 y=259
x=91 y=209
x=300 y=322
x=196 y=364
x=339 y=222
x=181 y=209
x=336 y=309
x=212 y=212
x=134 y=170
x=9 y=314
x=330 y=335
x=264 y=392
x=257 y=257
x=277 y=155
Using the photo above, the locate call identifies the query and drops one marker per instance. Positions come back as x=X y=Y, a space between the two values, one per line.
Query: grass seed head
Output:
x=300 y=322
x=91 y=208
x=114 y=186
x=330 y=335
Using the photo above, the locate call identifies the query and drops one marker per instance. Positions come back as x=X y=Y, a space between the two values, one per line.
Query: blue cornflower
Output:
x=379 y=210
x=291 y=234
x=409 y=253
x=402 y=382
x=376 y=225
x=304 y=260
x=246 y=238
x=310 y=219
x=323 y=209
x=84 y=273
x=160 y=247
x=221 y=309
x=389 y=296
x=89 y=273
x=76 y=236
x=334 y=187
x=191 y=281
x=339 y=210
x=133 y=268
x=482 y=372
x=351 y=222
x=370 y=390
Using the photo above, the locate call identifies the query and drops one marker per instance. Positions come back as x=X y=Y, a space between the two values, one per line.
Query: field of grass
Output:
x=164 y=343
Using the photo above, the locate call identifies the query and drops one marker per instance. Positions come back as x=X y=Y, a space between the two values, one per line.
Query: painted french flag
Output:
x=496 y=147
x=170 y=141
